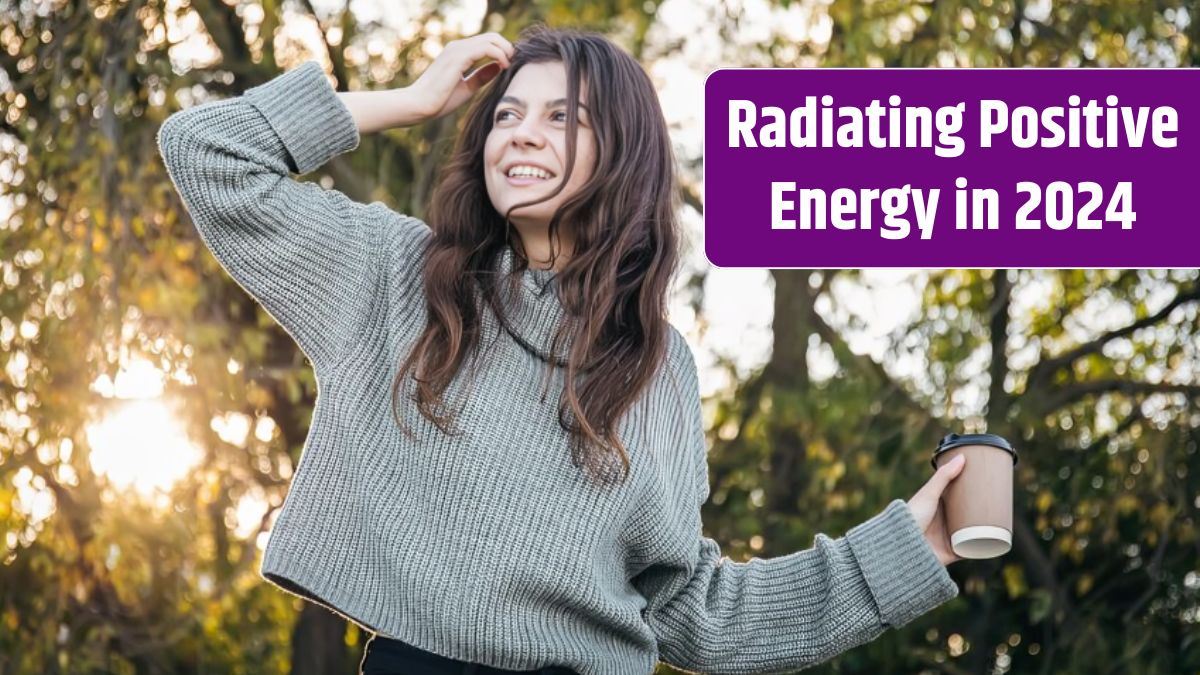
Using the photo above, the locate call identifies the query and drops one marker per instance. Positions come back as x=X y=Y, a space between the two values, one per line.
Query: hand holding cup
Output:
x=926 y=507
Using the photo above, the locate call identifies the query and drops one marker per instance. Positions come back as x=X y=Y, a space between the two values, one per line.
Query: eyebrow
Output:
x=555 y=102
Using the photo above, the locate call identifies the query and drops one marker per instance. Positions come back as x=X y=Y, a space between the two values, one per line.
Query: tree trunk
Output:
x=787 y=373
x=318 y=644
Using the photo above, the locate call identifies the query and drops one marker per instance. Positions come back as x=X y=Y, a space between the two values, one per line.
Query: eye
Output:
x=560 y=112
x=500 y=115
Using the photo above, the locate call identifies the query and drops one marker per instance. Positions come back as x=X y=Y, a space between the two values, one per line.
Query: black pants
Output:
x=385 y=656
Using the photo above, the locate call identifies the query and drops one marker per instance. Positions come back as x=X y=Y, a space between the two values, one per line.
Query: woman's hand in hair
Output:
x=440 y=89
x=444 y=85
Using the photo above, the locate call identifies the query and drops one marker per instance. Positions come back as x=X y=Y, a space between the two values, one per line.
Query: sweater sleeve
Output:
x=310 y=256
x=711 y=614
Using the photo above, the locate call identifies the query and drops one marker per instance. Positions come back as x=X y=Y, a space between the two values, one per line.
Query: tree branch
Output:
x=1153 y=571
x=225 y=28
x=1074 y=392
x=866 y=365
x=336 y=59
x=1047 y=367
x=998 y=400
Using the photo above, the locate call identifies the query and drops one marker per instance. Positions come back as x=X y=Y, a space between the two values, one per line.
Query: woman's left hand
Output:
x=926 y=507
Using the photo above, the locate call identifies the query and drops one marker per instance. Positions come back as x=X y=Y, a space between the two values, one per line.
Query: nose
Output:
x=528 y=133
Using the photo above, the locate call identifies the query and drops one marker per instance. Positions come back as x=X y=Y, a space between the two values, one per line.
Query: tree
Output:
x=1099 y=580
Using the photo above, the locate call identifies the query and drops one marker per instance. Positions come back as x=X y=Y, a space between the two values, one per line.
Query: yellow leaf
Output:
x=817 y=449
x=1065 y=543
x=189 y=278
x=1084 y=584
x=1160 y=515
x=1044 y=501
x=257 y=396
x=1014 y=581
x=146 y=298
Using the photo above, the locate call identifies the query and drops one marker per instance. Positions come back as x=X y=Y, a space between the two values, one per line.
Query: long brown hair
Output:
x=613 y=288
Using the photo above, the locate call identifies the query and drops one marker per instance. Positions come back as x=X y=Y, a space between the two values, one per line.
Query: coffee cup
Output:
x=979 y=502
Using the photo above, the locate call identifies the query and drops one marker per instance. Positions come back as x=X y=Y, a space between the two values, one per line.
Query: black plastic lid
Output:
x=959 y=440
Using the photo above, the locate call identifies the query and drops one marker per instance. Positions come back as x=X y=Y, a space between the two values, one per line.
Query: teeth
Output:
x=528 y=171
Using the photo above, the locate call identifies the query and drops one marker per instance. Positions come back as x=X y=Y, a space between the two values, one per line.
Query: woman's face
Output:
x=529 y=129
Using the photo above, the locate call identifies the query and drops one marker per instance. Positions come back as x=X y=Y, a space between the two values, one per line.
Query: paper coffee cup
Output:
x=979 y=502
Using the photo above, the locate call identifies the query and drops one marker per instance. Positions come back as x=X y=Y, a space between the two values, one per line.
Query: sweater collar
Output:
x=533 y=310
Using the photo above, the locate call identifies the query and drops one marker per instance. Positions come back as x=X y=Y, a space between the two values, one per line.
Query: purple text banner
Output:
x=849 y=168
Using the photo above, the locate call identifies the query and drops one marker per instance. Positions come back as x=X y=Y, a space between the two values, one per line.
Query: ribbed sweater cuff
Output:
x=304 y=109
x=901 y=569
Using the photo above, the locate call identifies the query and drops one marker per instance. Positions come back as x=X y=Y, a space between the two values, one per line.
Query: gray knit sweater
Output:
x=491 y=546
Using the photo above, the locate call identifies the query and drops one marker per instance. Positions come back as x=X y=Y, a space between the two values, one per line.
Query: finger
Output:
x=503 y=43
x=494 y=45
x=933 y=488
x=476 y=79
x=482 y=75
x=939 y=523
x=494 y=52
x=945 y=528
x=467 y=52
x=937 y=529
x=502 y=56
x=949 y=471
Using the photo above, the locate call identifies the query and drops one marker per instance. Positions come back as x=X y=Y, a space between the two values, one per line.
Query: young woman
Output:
x=506 y=462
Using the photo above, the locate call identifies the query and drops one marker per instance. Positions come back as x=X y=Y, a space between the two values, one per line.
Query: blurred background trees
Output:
x=151 y=414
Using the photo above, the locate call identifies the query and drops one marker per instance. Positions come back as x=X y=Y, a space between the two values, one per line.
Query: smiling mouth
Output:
x=527 y=179
x=516 y=171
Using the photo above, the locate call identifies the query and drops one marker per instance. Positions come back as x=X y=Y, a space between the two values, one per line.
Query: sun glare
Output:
x=140 y=444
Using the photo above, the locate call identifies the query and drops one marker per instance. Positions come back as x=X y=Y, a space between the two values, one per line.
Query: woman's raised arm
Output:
x=310 y=256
